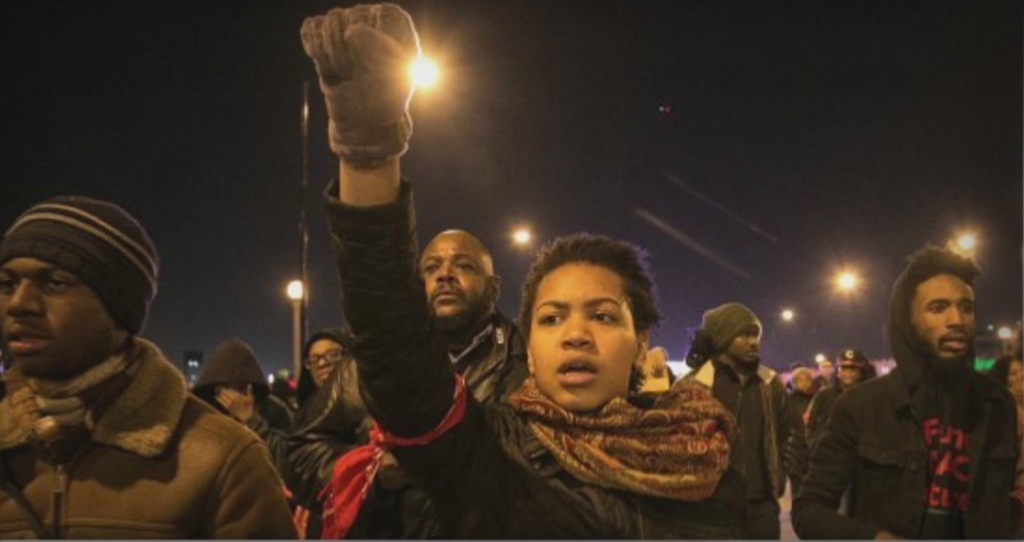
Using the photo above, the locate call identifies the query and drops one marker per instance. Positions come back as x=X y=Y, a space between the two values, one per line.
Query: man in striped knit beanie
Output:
x=95 y=424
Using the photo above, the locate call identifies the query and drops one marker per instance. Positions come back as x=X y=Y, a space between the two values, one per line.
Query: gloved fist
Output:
x=362 y=55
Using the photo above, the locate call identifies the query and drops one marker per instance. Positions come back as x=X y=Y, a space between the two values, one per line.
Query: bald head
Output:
x=462 y=242
x=458 y=274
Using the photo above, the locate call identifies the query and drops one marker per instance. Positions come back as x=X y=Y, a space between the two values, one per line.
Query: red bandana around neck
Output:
x=354 y=472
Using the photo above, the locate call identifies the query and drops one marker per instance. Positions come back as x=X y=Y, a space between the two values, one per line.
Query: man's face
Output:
x=745 y=348
x=459 y=279
x=55 y=326
x=942 y=315
x=849 y=375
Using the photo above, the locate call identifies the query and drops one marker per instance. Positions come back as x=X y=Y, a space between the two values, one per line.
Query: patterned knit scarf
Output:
x=679 y=449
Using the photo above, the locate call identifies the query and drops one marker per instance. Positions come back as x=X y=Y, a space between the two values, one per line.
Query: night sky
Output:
x=752 y=150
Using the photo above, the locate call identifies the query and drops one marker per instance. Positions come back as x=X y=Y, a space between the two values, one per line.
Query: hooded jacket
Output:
x=234 y=362
x=159 y=463
x=873 y=445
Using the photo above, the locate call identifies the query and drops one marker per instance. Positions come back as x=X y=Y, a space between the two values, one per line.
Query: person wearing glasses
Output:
x=312 y=449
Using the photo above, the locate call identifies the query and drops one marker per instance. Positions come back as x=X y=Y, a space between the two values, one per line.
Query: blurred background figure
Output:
x=802 y=384
x=853 y=368
x=234 y=384
x=658 y=377
x=1009 y=371
x=825 y=373
x=283 y=387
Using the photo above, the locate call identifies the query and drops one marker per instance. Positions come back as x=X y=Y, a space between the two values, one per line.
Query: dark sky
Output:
x=800 y=138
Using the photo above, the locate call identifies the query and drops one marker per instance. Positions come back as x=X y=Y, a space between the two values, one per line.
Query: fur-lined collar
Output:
x=143 y=418
x=706 y=374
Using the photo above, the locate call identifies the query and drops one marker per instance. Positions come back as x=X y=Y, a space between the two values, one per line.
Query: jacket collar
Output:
x=706 y=374
x=144 y=416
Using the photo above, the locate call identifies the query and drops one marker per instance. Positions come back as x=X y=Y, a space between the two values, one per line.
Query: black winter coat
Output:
x=487 y=476
x=874 y=447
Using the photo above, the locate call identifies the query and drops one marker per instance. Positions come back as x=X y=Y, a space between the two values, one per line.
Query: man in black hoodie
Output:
x=927 y=451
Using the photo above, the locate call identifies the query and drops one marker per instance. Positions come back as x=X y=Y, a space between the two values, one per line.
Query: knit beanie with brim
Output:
x=97 y=242
x=724 y=323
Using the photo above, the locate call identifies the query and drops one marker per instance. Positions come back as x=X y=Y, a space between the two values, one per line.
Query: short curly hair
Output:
x=626 y=260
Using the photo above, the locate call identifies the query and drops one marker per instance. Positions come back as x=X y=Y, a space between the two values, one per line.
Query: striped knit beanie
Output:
x=98 y=242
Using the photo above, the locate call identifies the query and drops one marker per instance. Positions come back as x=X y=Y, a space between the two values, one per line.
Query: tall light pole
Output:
x=296 y=292
x=303 y=302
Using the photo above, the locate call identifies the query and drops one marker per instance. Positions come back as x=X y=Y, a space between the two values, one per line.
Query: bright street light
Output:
x=787 y=315
x=847 y=281
x=967 y=242
x=296 y=291
x=1004 y=333
x=964 y=244
x=818 y=358
x=424 y=73
x=522 y=236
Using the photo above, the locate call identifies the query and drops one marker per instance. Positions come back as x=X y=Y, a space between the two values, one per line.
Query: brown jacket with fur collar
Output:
x=160 y=464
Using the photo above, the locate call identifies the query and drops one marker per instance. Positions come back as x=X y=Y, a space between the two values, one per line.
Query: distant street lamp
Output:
x=965 y=244
x=522 y=237
x=847 y=281
x=296 y=292
x=1004 y=333
x=787 y=315
x=818 y=358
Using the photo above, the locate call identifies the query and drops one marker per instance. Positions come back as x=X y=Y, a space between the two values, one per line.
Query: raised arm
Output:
x=362 y=55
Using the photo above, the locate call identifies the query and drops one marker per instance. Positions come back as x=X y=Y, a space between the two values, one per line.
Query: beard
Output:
x=946 y=369
x=477 y=310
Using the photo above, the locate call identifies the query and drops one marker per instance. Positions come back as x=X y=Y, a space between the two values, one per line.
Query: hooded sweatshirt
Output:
x=943 y=407
x=234 y=362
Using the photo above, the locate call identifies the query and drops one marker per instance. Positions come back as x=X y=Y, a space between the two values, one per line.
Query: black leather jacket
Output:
x=487 y=476
x=395 y=508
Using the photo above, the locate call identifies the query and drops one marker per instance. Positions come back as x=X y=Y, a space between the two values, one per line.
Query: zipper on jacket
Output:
x=60 y=487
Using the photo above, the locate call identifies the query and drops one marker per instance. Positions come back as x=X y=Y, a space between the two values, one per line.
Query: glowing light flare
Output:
x=820 y=358
x=967 y=242
x=424 y=73
x=1004 y=333
x=295 y=290
x=522 y=236
x=787 y=315
x=847 y=281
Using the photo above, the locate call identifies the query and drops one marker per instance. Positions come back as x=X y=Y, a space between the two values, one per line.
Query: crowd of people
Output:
x=431 y=414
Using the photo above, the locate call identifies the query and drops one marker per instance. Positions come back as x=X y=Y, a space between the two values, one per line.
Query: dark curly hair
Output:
x=931 y=261
x=626 y=260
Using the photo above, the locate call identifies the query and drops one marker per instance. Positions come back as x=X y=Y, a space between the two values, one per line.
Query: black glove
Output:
x=363 y=55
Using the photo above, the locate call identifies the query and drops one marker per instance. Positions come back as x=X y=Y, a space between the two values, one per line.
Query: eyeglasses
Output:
x=330 y=357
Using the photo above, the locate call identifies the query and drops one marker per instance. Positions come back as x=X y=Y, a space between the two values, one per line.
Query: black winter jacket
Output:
x=873 y=445
x=488 y=477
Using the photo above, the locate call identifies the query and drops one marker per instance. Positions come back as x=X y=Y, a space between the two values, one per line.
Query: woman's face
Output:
x=582 y=343
x=323 y=355
x=1015 y=378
